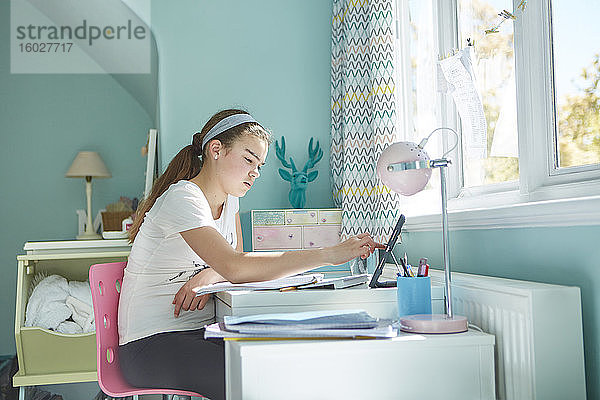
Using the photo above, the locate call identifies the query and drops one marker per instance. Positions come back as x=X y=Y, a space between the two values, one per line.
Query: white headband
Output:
x=226 y=123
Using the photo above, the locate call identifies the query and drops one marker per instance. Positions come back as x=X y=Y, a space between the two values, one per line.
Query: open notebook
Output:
x=290 y=281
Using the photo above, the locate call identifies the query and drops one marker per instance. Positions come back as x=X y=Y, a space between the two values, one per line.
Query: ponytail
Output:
x=185 y=165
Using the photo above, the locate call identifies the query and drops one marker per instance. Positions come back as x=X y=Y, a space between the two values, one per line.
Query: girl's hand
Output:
x=186 y=298
x=361 y=245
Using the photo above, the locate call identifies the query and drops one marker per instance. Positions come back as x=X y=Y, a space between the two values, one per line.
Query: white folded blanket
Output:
x=62 y=306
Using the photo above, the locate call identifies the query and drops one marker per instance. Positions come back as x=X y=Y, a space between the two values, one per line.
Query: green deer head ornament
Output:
x=298 y=179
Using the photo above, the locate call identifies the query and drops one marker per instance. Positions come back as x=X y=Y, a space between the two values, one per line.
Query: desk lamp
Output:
x=88 y=164
x=405 y=168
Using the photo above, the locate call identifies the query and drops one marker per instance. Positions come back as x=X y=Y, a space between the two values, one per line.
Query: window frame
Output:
x=536 y=95
x=544 y=195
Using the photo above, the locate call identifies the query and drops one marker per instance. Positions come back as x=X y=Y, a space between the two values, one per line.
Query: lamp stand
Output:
x=89 y=233
x=439 y=323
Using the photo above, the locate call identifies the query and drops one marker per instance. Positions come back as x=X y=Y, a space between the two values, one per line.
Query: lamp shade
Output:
x=407 y=182
x=88 y=163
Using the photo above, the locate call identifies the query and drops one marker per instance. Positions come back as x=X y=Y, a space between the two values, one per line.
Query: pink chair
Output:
x=105 y=281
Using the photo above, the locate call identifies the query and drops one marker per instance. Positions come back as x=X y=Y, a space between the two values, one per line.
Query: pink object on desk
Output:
x=433 y=323
x=105 y=281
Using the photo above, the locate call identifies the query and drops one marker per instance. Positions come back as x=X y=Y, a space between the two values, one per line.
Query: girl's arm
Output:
x=239 y=267
x=238 y=228
x=185 y=298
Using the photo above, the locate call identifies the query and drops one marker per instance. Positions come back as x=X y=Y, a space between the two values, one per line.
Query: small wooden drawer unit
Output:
x=297 y=229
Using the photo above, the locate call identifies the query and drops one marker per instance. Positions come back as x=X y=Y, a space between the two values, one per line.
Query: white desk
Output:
x=457 y=366
x=380 y=303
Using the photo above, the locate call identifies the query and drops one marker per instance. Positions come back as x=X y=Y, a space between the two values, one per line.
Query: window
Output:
x=576 y=68
x=494 y=68
x=539 y=81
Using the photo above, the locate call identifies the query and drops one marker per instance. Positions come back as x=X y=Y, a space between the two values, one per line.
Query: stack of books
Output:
x=310 y=324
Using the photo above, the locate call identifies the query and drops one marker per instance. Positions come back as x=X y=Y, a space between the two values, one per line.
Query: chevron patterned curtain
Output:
x=362 y=114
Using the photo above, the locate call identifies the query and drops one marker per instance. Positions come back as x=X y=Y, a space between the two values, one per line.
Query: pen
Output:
x=288 y=289
x=407 y=271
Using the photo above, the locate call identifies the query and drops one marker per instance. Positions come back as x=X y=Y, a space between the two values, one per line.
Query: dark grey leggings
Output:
x=176 y=360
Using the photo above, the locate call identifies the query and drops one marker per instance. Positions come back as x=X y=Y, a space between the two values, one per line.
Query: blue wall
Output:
x=562 y=255
x=269 y=56
x=46 y=120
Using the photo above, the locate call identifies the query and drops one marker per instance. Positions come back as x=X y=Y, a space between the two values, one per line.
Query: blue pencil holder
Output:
x=414 y=295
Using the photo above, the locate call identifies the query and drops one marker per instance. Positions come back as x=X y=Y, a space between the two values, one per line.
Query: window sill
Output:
x=560 y=212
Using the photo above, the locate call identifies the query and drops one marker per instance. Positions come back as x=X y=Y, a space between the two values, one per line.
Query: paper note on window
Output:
x=457 y=77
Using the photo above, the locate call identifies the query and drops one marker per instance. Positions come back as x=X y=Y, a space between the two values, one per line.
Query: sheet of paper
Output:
x=458 y=73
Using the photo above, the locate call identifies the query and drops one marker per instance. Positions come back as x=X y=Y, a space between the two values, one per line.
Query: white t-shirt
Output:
x=161 y=262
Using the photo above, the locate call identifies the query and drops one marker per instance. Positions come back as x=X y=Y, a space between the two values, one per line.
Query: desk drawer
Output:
x=268 y=217
x=300 y=217
x=321 y=236
x=277 y=237
x=330 y=217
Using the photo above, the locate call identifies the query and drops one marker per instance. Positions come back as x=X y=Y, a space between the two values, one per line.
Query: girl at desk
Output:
x=187 y=234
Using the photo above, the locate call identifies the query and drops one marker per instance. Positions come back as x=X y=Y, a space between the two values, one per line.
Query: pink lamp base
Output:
x=434 y=323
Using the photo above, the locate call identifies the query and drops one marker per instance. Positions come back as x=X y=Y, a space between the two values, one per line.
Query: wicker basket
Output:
x=112 y=219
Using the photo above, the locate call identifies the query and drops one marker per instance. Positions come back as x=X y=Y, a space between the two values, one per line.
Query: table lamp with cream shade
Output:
x=88 y=164
x=405 y=168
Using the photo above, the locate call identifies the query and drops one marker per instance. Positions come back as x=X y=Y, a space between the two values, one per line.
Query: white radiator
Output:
x=539 y=340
